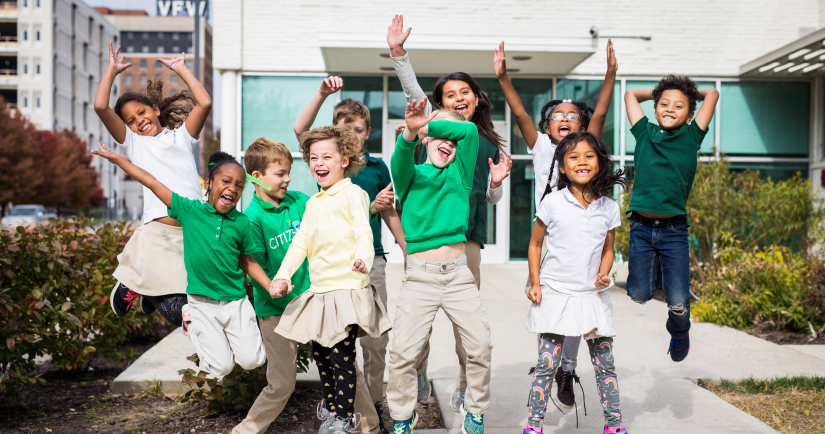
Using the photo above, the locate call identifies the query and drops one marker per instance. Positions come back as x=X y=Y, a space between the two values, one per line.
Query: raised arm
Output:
x=329 y=86
x=632 y=100
x=599 y=117
x=161 y=191
x=534 y=260
x=465 y=134
x=396 y=36
x=197 y=117
x=523 y=119
x=402 y=162
x=703 y=117
x=113 y=122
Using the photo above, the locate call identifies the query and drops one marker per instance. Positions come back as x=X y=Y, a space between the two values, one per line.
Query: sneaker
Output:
x=327 y=418
x=146 y=307
x=121 y=299
x=679 y=348
x=473 y=423
x=381 y=428
x=404 y=426
x=564 y=387
x=614 y=430
x=457 y=400
x=347 y=425
x=425 y=390
x=529 y=429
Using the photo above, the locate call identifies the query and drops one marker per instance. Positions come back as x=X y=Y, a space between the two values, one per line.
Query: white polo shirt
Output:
x=168 y=157
x=542 y=153
x=575 y=238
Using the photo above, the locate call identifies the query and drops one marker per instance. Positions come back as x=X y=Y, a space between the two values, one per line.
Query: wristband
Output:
x=176 y=60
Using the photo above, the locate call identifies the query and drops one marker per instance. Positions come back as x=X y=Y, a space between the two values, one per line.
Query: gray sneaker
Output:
x=327 y=418
x=348 y=425
x=457 y=400
x=425 y=390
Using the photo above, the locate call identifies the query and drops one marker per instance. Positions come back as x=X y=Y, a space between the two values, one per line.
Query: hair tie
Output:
x=564 y=101
x=252 y=179
x=176 y=60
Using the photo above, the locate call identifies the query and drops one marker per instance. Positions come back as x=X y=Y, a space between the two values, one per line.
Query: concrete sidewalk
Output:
x=657 y=394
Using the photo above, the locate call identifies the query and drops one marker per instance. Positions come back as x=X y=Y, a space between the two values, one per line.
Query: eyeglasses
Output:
x=558 y=116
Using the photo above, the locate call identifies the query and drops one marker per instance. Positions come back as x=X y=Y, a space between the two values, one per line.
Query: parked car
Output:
x=26 y=215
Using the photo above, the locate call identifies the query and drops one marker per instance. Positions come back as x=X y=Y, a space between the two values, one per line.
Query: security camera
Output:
x=594 y=32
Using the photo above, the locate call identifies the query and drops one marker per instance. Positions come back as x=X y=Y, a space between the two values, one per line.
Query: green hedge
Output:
x=55 y=282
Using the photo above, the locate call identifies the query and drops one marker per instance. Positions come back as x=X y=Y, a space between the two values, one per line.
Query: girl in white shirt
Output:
x=577 y=223
x=158 y=135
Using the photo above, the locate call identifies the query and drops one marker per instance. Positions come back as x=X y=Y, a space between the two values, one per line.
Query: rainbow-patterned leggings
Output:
x=601 y=354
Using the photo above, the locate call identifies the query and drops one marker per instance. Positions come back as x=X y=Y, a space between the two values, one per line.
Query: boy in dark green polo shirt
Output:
x=375 y=179
x=665 y=162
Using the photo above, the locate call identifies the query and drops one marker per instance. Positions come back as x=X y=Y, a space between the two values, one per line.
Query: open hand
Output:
x=179 y=63
x=279 y=288
x=383 y=200
x=396 y=36
x=612 y=64
x=602 y=281
x=499 y=61
x=359 y=265
x=535 y=294
x=105 y=152
x=118 y=64
x=331 y=85
x=416 y=115
x=500 y=171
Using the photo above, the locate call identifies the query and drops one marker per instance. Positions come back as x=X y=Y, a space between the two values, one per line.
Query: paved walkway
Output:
x=657 y=394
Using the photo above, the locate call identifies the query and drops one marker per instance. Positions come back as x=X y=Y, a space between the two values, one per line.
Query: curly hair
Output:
x=173 y=109
x=681 y=83
x=348 y=145
x=584 y=110
x=601 y=184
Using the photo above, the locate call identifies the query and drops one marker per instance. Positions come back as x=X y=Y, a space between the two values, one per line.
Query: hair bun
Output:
x=219 y=157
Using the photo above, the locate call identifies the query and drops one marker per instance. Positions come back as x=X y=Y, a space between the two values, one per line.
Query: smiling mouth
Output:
x=582 y=172
x=321 y=174
x=444 y=153
x=226 y=200
x=145 y=129
x=564 y=130
x=461 y=108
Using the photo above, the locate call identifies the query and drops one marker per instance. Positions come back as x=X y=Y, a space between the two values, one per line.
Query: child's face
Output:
x=672 y=110
x=581 y=164
x=326 y=163
x=440 y=152
x=559 y=129
x=276 y=177
x=225 y=187
x=458 y=95
x=358 y=126
x=141 y=118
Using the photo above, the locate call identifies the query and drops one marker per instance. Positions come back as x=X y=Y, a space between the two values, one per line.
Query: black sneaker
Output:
x=145 y=306
x=121 y=299
x=564 y=387
x=381 y=428
x=679 y=348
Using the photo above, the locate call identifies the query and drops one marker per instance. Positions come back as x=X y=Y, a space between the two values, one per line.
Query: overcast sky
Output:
x=150 y=6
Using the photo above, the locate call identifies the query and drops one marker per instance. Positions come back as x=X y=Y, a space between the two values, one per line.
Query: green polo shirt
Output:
x=477 y=223
x=273 y=228
x=665 y=163
x=212 y=243
x=373 y=178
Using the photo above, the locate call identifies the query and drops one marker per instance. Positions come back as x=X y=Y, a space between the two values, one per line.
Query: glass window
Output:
x=522 y=207
x=127 y=78
x=175 y=36
x=142 y=78
x=37 y=35
x=534 y=93
x=760 y=118
x=37 y=69
x=144 y=49
x=37 y=102
x=161 y=49
x=173 y=79
x=25 y=35
x=588 y=92
x=130 y=48
x=25 y=68
x=161 y=35
x=145 y=36
x=143 y=63
x=25 y=101
x=370 y=91
x=176 y=49
x=775 y=171
x=130 y=35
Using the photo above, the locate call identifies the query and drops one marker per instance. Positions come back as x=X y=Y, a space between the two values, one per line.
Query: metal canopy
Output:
x=804 y=57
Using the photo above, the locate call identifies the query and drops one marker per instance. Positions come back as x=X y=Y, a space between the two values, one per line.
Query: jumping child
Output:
x=218 y=244
x=577 y=223
x=665 y=161
x=436 y=204
x=158 y=135
x=340 y=305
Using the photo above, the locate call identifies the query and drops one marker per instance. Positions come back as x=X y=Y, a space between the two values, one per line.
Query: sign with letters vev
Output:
x=174 y=8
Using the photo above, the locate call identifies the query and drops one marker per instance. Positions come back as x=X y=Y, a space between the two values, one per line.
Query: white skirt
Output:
x=589 y=315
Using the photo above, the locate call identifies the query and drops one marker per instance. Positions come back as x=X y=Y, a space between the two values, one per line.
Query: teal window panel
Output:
x=534 y=93
x=588 y=92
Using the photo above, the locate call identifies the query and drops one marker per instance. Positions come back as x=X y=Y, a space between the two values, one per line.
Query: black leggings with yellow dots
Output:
x=337 y=368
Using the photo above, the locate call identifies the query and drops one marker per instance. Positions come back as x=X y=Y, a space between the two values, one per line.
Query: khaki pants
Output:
x=281 y=370
x=473 y=252
x=428 y=286
x=375 y=349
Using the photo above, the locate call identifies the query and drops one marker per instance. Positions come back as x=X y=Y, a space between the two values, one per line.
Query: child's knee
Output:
x=680 y=309
x=251 y=361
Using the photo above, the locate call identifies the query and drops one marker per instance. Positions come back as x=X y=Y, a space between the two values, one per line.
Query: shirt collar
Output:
x=268 y=206
x=572 y=199
x=368 y=159
x=340 y=185
x=231 y=215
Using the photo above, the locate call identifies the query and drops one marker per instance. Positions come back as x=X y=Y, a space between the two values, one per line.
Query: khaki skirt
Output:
x=589 y=315
x=324 y=317
x=152 y=261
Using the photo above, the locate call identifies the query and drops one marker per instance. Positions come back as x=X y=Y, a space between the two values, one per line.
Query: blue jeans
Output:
x=658 y=255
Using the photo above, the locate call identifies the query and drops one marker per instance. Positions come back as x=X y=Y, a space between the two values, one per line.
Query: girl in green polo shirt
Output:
x=218 y=243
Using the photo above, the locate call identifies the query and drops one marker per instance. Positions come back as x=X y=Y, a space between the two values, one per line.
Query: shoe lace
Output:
x=322 y=411
x=676 y=345
x=355 y=420
x=130 y=297
x=420 y=380
x=399 y=428
x=567 y=378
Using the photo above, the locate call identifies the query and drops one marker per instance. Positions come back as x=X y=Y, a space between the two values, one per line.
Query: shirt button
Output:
x=217 y=236
x=219 y=228
x=443 y=267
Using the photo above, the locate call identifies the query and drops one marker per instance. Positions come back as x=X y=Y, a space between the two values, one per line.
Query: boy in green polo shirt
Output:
x=275 y=217
x=665 y=163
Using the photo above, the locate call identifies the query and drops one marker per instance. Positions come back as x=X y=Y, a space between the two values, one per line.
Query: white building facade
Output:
x=272 y=56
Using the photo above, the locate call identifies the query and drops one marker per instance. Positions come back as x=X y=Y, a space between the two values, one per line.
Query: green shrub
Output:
x=55 y=282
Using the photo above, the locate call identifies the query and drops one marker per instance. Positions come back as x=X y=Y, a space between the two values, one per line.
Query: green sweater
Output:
x=436 y=201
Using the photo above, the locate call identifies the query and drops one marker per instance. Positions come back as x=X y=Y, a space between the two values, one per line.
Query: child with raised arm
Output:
x=218 y=244
x=577 y=223
x=436 y=203
x=158 y=135
x=374 y=178
x=565 y=117
x=665 y=161
x=340 y=305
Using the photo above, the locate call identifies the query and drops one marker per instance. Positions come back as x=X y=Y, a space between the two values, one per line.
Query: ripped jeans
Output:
x=658 y=255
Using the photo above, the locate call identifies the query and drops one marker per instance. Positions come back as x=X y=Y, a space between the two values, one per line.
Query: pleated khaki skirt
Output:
x=324 y=317
x=152 y=261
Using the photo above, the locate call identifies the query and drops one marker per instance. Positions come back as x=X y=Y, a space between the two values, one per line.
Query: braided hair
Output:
x=173 y=109
x=585 y=110
x=601 y=184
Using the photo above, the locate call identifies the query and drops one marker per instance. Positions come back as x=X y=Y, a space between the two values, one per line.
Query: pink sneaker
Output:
x=529 y=429
x=614 y=430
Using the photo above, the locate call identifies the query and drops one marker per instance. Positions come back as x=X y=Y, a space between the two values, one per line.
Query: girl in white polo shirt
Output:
x=577 y=223
x=158 y=135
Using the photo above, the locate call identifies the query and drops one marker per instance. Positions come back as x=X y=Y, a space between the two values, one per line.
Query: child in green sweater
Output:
x=436 y=204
